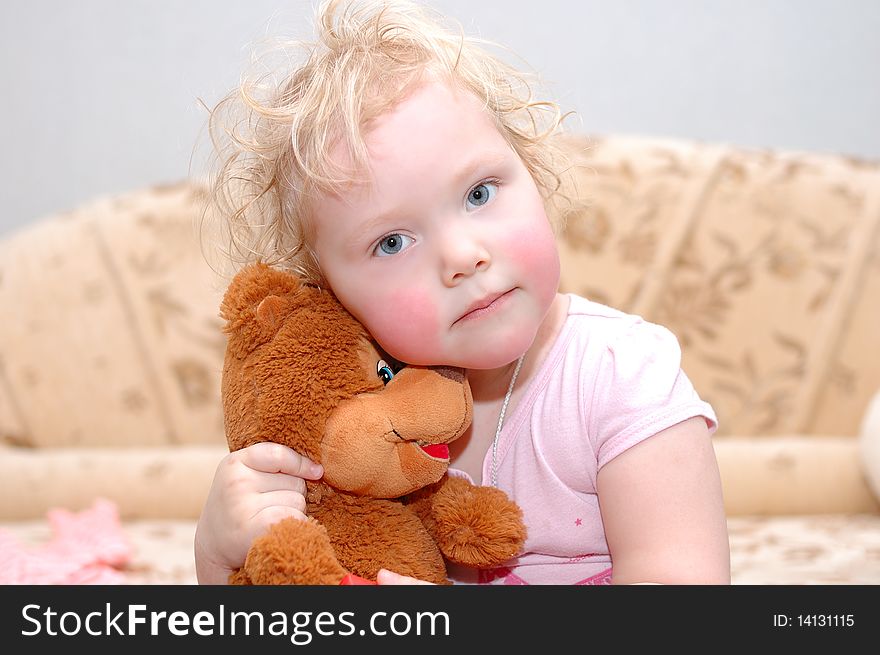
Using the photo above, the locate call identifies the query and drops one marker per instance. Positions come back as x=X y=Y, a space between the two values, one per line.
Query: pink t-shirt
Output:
x=610 y=381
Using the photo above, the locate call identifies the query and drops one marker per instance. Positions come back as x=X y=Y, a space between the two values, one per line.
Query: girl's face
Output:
x=446 y=256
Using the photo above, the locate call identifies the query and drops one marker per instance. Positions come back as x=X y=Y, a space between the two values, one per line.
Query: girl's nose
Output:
x=463 y=254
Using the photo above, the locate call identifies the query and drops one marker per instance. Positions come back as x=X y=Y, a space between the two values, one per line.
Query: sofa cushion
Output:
x=764 y=550
x=869 y=445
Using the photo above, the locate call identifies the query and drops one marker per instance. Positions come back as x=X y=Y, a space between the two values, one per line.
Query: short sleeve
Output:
x=640 y=389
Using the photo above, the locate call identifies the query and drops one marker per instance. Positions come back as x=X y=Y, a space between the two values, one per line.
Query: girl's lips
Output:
x=437 y=451
x=485 y=306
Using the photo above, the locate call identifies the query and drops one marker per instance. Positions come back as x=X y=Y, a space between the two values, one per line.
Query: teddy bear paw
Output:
x=482 y=529
x=293 y=552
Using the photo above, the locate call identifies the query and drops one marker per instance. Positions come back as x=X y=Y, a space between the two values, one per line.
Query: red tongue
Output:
x=437 y=450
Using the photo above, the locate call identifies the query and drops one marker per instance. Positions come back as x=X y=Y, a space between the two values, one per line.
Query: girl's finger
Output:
x=386 y=577
x=274 y=458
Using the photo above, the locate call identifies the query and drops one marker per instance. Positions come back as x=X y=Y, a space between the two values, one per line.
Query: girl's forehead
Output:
x=430 y=119
x=426 y=100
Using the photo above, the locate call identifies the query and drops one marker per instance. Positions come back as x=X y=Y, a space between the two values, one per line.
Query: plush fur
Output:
x=301 y=371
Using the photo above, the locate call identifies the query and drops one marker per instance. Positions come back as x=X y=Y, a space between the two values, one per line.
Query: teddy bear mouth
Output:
x=438 y=451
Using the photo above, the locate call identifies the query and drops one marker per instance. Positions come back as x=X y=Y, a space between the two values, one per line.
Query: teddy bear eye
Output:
x=384 y=371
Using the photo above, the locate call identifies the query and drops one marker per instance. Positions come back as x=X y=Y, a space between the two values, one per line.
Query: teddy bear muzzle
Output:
x=388 y=443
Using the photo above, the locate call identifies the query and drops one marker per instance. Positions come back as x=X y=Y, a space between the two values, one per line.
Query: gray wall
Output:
x=101 y=96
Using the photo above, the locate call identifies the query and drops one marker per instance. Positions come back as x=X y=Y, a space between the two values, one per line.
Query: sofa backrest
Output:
x=110 y=333
x=764 y=264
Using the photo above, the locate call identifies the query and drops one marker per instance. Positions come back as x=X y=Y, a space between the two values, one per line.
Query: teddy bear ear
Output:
x=250 y=286
x=254 y=305
x=270 y=313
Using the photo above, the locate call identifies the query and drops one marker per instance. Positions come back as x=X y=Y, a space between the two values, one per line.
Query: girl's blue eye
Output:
x=481 y=194
x=384 y=372
x=392 y=244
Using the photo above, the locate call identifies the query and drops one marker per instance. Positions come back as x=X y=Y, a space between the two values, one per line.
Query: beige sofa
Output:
x=765 y=264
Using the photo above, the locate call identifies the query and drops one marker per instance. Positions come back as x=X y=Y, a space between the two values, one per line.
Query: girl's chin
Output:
x=476 y=361
x=492 y=358
x=490 y=365
x=489 y=354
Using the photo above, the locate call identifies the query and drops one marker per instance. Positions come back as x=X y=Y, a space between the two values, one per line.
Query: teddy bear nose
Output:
x=451 y=373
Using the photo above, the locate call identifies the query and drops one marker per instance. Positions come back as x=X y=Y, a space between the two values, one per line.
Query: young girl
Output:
x=412 y=173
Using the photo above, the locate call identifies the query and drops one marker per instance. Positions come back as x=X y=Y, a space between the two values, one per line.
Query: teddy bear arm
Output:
x=474 y=526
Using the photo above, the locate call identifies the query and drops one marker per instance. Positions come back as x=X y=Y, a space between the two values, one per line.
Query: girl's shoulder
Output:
x=630 y=381
x=581 y=306
x=597 y=326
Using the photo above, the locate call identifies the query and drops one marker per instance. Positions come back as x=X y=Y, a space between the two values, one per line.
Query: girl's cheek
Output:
x=534 y=250
x=405 y=324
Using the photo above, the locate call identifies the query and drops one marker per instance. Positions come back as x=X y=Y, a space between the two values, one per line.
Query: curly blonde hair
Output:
x=272 y=137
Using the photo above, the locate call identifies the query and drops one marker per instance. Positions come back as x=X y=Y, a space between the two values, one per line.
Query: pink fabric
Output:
x=610 y=381
x=87 y=547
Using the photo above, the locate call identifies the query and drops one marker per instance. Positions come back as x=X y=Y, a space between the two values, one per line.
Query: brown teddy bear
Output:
x=301 y=371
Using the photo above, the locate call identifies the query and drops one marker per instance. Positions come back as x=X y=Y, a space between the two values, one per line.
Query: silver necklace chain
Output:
x=501 y=420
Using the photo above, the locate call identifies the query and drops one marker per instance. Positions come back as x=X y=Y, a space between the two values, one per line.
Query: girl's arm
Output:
x=663 y=510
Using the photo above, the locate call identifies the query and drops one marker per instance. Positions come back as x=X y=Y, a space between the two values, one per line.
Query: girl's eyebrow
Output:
x=484 y=159
x=367 y=228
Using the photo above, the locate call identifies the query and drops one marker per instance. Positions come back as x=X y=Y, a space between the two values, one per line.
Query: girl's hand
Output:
x=386 y=577
x=253 y=488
